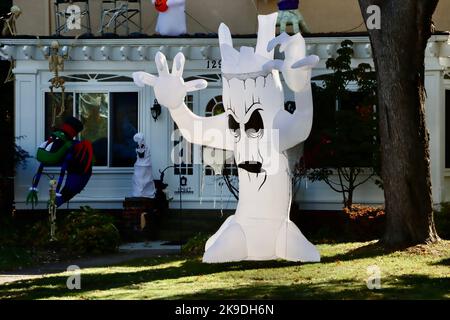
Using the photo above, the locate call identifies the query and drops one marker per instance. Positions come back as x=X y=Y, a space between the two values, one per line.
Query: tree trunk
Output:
x=399 y=53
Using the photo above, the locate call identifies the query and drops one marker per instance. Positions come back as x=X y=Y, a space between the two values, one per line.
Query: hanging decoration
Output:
x=258 y=130
x=56 y=65
x=171 y=17
x=216 y=159
x=290 y=14
x=10 y=29
x=52 y=209
x=10 y=76
x=143 y=184
x=73 y=156
x=9 y=22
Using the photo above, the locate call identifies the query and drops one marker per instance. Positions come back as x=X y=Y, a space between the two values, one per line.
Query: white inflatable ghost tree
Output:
x=258 y=130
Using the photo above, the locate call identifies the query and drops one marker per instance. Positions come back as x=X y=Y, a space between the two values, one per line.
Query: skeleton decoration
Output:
x=9 y=25
x=289 y=13
x=52 y=209
x=171 y=17
x=258 y=130
x=56 y=65
x=143 y=184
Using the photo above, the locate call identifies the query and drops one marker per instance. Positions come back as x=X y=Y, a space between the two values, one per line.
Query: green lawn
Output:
x=420 y=272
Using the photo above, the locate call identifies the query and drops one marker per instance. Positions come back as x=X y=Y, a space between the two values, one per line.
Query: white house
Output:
x=98 y=76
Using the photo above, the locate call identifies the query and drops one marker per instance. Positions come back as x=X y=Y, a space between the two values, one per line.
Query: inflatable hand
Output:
x=32 y=197
x=170 y=88
x=296 y=66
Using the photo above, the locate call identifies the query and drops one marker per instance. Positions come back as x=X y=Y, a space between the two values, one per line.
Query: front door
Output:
x=198 y=182
x=216 y=180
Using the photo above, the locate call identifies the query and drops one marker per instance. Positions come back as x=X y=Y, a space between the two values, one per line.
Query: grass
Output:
x=421 y=272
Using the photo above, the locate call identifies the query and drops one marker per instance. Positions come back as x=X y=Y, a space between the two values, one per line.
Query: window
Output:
x=182 y=152
x=344 y=131
x=55 y=113
x=214 y=108
x=93 y=111
x=123 y=124
x=109 y=119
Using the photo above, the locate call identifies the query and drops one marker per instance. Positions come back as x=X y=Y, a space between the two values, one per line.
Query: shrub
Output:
x=8 y=236
x=195 y=245
x=80 y=232
x=38 y=236
x=88 y=231
x=365 y=222
x=442 y=221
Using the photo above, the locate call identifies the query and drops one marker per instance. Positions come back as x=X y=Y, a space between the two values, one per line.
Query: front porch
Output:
x=104 y=66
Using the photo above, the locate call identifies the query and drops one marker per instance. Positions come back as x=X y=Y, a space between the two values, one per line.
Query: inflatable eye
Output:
x=161 y=5
x=233 y=125
x=254 y=126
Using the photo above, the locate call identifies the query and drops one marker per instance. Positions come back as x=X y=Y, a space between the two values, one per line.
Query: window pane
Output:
x=53 y=114
x=344 y=130
x=183 y=150
x=92 y=110
x=123 y=127
x=215 y=107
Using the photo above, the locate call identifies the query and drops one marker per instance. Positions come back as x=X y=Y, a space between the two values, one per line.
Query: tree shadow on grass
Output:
x=404 y=287
x=400 y=287
x=443 y=262
x=55 y=286
x=368 y=251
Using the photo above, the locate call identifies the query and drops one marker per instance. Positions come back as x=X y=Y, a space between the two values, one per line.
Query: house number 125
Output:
x=214 y=64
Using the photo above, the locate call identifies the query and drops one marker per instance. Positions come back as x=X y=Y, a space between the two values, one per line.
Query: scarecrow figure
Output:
x=257 y=128
x=74 y=157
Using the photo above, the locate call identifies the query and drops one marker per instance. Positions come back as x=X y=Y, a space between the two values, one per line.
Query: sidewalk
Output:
x=126 y=252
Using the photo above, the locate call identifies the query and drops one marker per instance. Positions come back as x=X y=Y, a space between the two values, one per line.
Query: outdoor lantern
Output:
x=156 y=110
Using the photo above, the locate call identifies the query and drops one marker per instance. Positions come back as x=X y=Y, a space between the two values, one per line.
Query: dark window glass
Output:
x=184 y=164
x=331 y=126
x=54 y=112
x=93 y=111
x=110 y=121
x=123 y=127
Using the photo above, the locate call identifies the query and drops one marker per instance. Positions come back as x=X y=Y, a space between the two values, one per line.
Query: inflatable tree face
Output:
x=258 y=130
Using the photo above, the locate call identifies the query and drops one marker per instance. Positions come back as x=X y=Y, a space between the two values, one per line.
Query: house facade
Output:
x=99 y=87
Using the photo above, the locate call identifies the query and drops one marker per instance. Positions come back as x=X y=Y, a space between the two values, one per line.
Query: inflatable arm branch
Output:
x=170 y=91
x=296 y=69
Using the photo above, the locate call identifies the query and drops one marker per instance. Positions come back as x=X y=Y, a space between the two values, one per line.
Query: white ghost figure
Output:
x=172 y=22
x=143 y=184
x=258 y=130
